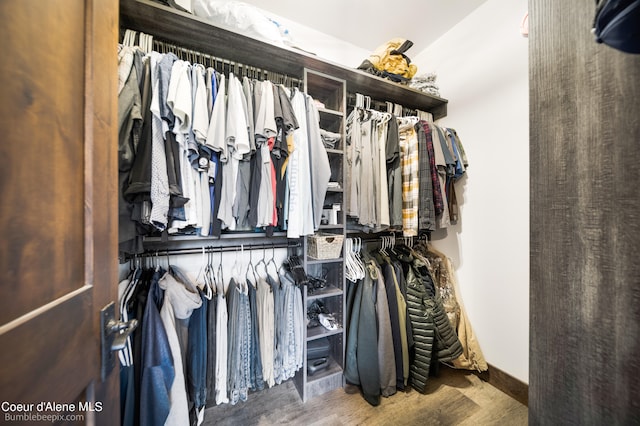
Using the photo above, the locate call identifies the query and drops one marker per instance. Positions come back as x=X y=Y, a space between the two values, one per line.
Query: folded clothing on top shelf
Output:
x=425 y=83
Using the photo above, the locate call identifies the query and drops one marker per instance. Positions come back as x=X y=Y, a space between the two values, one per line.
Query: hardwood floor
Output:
x=453 y=398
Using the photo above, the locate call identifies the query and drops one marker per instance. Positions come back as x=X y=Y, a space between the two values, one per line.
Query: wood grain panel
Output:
x=42 y=148
x=67 y=368
x=101 y=223
x=506 y=383
x=585 y=222
x=58 y=247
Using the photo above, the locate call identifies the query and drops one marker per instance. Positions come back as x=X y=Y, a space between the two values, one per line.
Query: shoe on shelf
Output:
x=328 y=321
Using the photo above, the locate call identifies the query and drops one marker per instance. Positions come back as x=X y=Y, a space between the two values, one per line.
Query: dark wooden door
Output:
x=585 y=222
x=58 y=235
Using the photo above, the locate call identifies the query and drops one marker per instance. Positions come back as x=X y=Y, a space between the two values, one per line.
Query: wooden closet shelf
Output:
x=197 y=33
x=313 y=261
x=330 y=291
x=319 y=332
x=338 y=114
x=227 y=235
x=333 y=369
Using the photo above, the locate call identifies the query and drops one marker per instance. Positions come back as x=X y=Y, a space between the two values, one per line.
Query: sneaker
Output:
x=328 y=321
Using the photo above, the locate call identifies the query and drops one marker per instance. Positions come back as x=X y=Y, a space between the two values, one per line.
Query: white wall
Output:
x=324 y=45
x=482 y=68
x=318 y=43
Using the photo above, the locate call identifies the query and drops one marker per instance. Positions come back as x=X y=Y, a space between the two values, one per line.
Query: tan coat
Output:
x=444 y=276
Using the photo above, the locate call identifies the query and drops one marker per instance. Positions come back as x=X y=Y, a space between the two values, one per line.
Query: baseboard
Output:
x=508 y=384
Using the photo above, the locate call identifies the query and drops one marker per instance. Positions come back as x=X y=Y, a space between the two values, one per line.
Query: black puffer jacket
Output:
x=433 y=335
x=448 y=346
x=423 y=326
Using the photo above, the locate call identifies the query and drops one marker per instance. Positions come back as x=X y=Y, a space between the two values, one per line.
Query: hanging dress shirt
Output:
x=179 y=303
x=301 y=219
x=159 y=178
x=318 y=158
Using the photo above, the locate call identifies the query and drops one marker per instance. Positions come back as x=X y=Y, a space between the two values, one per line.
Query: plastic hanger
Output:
x=350 y=272
x=251 y=268
x=220 y=284
x=201 y=277
x=207 y=289
x=236 y=271
x=166 y=254
x=359 y=263
x=361 y=268
x=129 y=38
x=355 y=262
x=350 y=260
x=272 y=260
x=210 y=272
x=262 y=262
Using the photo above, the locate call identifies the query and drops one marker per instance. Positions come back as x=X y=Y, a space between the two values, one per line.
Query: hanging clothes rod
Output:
x=353 y=100
x=377 y=237
x=225 y=65
x=212 y=249
x=148 y=42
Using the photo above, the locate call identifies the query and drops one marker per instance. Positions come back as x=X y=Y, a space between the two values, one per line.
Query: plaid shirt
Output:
x=409 y=164
x=125 y=62
x=438 y=203
x=426 y=211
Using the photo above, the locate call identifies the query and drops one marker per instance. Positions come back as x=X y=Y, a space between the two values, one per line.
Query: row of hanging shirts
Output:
x=401 y=170
x=147 y=43
x=209 y=340
x=354 y=264
x=219 y=152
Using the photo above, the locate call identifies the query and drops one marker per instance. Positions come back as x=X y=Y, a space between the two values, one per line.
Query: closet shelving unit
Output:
x=331 y=92
x=324 y=80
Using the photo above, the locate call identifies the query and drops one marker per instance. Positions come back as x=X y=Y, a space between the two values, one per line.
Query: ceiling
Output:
x=370 y=23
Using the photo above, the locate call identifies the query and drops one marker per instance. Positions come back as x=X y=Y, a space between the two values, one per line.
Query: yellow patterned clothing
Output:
x=390 y=57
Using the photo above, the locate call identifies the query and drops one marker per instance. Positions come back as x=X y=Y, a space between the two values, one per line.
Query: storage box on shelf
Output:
x=324 y=246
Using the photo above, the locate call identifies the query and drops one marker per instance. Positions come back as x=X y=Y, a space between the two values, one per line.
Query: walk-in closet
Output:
x=340 y=174
x=323 y=213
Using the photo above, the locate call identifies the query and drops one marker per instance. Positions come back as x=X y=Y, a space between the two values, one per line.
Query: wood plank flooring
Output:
x=452 y=398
